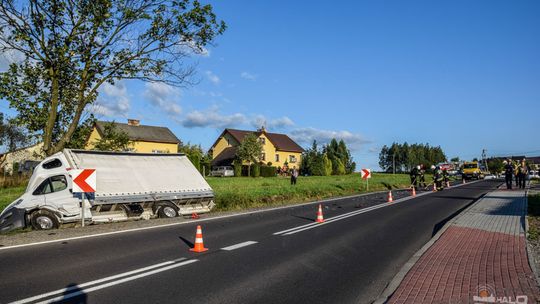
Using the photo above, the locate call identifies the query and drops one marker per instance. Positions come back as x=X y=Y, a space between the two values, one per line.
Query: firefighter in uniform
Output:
x=422 y=177
x=446 y=177
x=437 y=177
x=415 y=172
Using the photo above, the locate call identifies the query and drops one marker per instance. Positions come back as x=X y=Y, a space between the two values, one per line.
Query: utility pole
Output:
x=484 y=158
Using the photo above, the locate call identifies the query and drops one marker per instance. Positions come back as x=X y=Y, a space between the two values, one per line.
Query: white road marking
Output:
x=240 y=245
x=209 y=219
x=350 y=214
x=78 y=289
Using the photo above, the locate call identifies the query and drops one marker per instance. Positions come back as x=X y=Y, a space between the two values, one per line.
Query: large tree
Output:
x=70 y=48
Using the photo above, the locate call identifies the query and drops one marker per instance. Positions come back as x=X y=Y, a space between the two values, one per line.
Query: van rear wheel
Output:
x=44 y=220
x=166 y=210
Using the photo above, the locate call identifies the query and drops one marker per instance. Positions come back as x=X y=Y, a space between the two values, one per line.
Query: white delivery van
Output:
x=129 y=186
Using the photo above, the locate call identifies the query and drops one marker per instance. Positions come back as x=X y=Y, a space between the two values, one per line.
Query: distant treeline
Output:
x=408 y=156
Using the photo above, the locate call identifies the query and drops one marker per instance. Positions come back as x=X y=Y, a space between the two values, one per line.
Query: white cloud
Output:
x=278 y=123
x=248 y=76
x=213 y=77
x=113 y=100
x=212 y=118
x=163 y=96
x=307 y=135
x=9 y=57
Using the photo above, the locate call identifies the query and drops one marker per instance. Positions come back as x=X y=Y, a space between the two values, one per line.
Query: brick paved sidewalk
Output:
x=483 y=252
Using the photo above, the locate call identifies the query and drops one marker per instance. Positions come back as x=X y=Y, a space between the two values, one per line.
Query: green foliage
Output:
x=12 y=136
x=268 y=171
x=237 y=169
x=256 y=170
x=249 y=150
x=70 y=49
x=338 y=168
x=81 y=134
x=327 y=165
x=455 y=159
x=408 y=156
x=194 y=153
x=335 y=158
x=495 y=165
x=112 y=139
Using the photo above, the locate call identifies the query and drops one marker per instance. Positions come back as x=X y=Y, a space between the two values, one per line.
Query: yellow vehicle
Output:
x=472 y=170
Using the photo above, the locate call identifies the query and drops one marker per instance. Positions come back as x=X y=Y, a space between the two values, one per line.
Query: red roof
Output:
x=282 y=142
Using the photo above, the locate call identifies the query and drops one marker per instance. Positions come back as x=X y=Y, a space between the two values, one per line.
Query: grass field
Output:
x=237 y=193
x=8 y=195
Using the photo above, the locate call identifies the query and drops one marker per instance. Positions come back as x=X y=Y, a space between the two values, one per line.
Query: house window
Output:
x=263 y=156
x=228 y=142
x=292 y=158
x=160 y=151
x=277 y=158
x=262 y=140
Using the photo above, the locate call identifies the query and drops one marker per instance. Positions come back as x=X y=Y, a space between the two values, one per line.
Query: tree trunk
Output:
x=53 y=111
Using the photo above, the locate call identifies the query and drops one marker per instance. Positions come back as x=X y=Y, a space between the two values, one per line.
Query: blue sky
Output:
x=464 y=75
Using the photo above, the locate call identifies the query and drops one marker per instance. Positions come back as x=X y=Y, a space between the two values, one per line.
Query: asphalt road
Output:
x=278 y=256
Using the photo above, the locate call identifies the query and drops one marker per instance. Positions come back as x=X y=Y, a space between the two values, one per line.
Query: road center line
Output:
x=78 y=289
x=239 y=245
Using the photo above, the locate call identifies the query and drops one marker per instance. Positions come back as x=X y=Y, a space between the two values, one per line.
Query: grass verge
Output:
x=238 y=193
x=8 y=195
x=533 y=209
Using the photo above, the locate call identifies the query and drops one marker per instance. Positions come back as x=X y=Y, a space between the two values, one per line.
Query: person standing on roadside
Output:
x=516 y=171
x=415 y=172
x=508 y=172
x=422 y=177
x=294 y=176
x=522 y=174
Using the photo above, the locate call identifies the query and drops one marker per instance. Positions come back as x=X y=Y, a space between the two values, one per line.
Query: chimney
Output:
x=134 y=122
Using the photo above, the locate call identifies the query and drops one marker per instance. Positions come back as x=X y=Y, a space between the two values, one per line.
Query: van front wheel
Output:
x=43 y=220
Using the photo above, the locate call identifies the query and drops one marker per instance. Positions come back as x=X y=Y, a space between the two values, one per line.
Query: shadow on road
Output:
x=73 y=295
x=190 y=244
x=440 y=224
x=303 y=218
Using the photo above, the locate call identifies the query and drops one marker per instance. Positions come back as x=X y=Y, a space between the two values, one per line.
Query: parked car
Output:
x=222 y=171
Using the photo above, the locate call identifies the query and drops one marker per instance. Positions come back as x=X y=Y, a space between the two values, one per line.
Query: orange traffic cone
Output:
x=390 y=198
x=195 y=216
x=464 y=181
x=434 y=187
x=447 y=184
x=413 y=191
x=320 y=218
x=199 y=246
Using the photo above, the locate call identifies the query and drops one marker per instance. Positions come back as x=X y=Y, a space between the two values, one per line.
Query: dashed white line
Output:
x=79 y=289
x=239 y=245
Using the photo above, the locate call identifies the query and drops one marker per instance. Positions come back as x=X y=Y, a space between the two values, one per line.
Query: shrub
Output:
x=268 y=171
x=237 y=169
x=338 y=168
x=255 y=170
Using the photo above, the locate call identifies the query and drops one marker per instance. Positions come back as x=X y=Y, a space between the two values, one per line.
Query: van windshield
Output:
x=470 y=166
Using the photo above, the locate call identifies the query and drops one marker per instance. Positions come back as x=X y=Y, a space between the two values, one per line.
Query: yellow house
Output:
x=144 y=139
x=277 y=148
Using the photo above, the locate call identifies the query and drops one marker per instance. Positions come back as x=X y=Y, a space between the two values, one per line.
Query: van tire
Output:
x=44 y=220
x=166 y=210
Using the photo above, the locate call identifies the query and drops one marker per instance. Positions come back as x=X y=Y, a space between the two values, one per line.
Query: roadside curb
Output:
x=398 y=278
